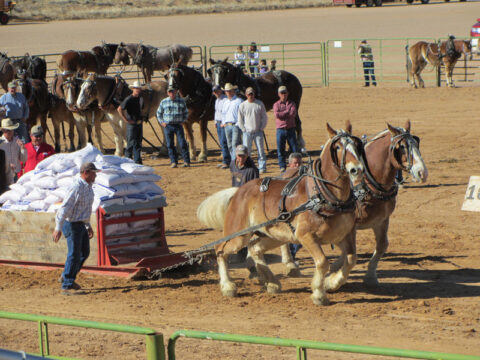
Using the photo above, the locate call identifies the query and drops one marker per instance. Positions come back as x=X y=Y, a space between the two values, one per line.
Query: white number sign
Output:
x=471 y=201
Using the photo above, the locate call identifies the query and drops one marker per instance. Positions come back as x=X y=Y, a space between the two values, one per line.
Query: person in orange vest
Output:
x=37 y=149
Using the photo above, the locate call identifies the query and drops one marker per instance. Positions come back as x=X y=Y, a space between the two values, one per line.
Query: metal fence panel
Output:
x=344 y=65
x=305 y=60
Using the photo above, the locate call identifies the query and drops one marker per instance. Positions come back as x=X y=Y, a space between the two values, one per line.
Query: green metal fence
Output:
x=344 y=65
x=304 y=59
x=154 y=342
x=302 y=346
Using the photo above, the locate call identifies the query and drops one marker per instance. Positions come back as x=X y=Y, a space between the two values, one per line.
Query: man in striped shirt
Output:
x=171 y=114
x=73 y=219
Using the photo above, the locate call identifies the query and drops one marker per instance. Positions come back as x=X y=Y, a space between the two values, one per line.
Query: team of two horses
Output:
x=349 y=187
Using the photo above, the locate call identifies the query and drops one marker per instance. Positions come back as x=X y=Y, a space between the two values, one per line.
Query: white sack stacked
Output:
x=120 y=181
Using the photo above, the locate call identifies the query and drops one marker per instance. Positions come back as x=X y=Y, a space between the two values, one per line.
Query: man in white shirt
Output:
x=252 y=120
x=229 y=120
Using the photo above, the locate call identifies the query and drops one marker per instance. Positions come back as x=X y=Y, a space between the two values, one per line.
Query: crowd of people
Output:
x=250 y=61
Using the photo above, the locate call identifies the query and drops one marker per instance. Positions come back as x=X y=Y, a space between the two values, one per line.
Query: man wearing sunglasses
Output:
x=37 y=149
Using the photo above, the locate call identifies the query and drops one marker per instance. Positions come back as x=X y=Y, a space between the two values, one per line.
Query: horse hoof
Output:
x=320 y=301
x=273 y=288
x=229 y=290
x=202 y=159
x=370 y=282
x=293 y=271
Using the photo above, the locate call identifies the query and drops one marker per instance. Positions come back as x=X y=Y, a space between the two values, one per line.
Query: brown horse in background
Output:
x=423 y=53
x=59 y=113
x=318 y=210
x=266 y=86
x=149 y=58
x=34 y=66
x=97 y=60
x=197 y=93
x=37 y=96
x=7 y=71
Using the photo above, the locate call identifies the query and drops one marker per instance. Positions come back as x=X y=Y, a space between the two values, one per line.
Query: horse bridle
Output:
x=411 y=141
x=350 y=140
x=172 y=76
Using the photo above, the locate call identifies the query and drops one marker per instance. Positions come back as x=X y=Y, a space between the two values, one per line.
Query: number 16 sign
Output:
x=471 y=201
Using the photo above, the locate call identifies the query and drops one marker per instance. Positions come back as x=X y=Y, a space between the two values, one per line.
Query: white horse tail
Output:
x=211 y=212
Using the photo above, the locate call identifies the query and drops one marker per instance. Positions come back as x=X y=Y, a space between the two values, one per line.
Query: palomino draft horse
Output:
x=392 y=150
x=7 y=71
x=96 y=60
x=109 y=92
x=316 y=208
x=266 y=86
x=423 y=53
x=197 y=93
x=149 y=58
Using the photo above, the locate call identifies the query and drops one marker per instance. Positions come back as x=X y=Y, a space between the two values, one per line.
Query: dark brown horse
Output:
x=37 y=96
x=104 y=89
x=318 y=210
x=7 y=71
x=34 y=66
x=266 y=86
x=197 y=93
x=59 y=113
x=149 y=58
x=423 y=53
x=96 y=60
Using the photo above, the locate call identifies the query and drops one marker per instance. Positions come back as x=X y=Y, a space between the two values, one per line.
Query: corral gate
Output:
x=306 y=59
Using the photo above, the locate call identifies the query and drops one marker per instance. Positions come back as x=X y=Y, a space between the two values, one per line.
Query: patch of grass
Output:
x=91 y=9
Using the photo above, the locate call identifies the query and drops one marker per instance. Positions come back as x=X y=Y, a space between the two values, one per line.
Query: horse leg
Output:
x=202 y=157
x=81 y=124
x=191 y=142
x=56 y=118
x=227 y=286
x=349 y=255
x=449 y=74
x=319 y=294
x=97 y=123
x=298 y=129
x=292 y=269
x=381 y=238
x=118 y=130
x=71 y=133
x=265 y=275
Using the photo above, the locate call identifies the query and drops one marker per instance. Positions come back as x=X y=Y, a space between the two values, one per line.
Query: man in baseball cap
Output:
x=243 y=168
x=37 y=148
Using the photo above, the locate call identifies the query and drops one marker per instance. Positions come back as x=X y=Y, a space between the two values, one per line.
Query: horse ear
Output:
x=331 y=131
x=212 y=62
x=122 y=43
x=225 y=60
x=392 y=130
x=348 y=127
x=407 y=126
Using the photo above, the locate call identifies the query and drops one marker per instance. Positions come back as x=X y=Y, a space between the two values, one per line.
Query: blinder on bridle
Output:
x=411 y=141
x=350 y=140
x=172 y=77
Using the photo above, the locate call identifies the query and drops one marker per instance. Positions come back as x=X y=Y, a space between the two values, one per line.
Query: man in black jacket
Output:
x=242 y=167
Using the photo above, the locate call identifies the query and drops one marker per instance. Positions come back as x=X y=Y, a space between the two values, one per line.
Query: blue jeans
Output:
x=234 y=138
x=21 y=131
x=222 y=139
x=369 y=71
x=257 y=136
x=78 y=250
x=170 y=131
x=284 y=136
x=134 y=142
x=294 y=249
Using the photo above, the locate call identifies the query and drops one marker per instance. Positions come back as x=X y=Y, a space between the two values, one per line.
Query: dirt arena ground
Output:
x=428 y=298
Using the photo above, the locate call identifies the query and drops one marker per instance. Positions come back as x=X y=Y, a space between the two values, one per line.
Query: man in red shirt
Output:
x=37 y=149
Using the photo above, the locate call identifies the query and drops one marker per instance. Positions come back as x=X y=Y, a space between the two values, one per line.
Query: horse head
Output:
x=87 y=92
x=405 y=152
x=70 y=87
x=121 y=55
x=345 y=153
x=175 y=75
x=222 y=72
x=467 y=48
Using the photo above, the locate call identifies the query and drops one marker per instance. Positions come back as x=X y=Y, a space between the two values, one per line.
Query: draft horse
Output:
x=317 y=208
x=423 y=53
x=7 y=71
x=109 y=91
x=222 y=72
x=97 y=60
x=197 y=93
x=34 y=66
x=149 y=58
x=394 y=149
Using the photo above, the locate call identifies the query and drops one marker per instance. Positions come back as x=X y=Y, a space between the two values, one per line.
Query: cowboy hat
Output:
x=136 y=85
x=7 y=124
x=229 y=87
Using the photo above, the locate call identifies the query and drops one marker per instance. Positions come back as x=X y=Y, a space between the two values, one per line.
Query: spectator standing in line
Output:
x=14 y=149
x=252 y=120
x=219 y=102
x=37 y=149
x=263 y=66
x=171 y=114
x=366 y=54
x=273 y=65
x=240 y=57
x=233 y=133
x=285 y=112
x=73 y=219
x=243 y=168
x=130 y=111
x=253 y=59
x=17 y=110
